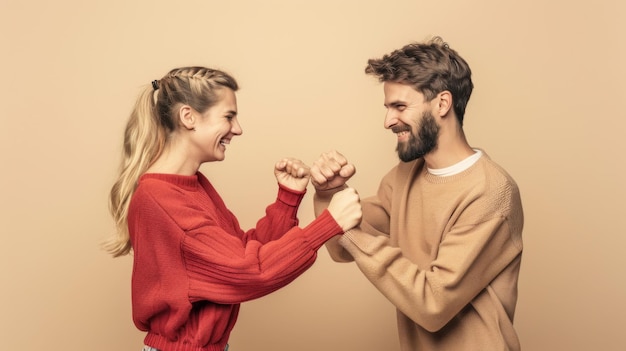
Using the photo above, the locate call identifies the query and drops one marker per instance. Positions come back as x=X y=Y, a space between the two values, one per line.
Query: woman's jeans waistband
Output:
x=148 y=348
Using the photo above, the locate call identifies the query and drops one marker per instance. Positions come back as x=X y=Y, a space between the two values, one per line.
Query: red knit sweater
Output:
x=194 y=265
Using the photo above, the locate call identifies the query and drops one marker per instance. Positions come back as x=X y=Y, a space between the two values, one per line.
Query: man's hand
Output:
x=331 y=171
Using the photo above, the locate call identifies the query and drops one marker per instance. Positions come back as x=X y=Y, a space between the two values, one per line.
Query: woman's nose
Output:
x=236 y=128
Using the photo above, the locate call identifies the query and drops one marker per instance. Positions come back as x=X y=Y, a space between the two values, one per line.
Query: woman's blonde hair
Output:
x=152 y=119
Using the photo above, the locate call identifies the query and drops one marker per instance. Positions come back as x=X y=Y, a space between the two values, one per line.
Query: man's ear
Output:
x=187 y=117
x=444 y=102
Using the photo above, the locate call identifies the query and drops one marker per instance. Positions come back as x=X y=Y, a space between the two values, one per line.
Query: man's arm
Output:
x=469 y=258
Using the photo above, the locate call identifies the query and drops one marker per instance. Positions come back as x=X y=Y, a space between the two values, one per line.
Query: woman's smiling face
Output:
x=216 y=127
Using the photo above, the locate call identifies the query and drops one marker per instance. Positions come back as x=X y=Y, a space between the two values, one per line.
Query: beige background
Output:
x=548 y=106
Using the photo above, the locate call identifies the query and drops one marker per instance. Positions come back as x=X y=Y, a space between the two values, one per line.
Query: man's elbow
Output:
x=337 y=252
x=435 y=319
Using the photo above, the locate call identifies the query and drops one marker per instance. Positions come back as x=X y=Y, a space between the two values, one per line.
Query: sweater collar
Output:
x=183 y=181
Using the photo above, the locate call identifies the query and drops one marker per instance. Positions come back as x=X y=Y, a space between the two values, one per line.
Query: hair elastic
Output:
x=155 y=84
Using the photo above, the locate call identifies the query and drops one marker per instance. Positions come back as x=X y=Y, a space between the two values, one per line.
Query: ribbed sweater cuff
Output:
x=161 y=343
x=321 y=229
x=289 y=196
x=347 y=241
x=354 y=241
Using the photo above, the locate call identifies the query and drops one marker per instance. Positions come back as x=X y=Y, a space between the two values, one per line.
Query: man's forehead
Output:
x=400 y=92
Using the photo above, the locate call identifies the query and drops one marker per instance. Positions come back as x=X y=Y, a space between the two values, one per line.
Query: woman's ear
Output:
x=444 y=103
x=187 y=117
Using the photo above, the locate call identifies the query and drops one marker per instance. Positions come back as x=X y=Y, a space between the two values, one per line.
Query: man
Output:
x=442 y=238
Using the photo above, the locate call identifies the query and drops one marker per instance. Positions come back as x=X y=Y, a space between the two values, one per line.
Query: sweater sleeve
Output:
x=224 y=270
x=279 y=216
x=375 y=216
x=469 y=258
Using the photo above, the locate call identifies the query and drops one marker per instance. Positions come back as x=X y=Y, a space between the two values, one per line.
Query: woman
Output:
x=193 y=264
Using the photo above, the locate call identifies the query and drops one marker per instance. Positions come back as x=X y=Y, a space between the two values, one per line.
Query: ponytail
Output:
x=144 y=140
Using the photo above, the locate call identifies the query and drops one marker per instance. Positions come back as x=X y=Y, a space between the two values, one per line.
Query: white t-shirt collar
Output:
x=457 y=167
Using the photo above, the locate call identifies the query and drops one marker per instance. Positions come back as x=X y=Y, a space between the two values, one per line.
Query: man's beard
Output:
x=425 y=142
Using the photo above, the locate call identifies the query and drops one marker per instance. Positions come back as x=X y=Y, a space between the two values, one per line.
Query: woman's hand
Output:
x=345 y=207
x=292 y=173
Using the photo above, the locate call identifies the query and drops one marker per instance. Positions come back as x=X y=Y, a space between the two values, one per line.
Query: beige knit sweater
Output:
x=446 y=251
